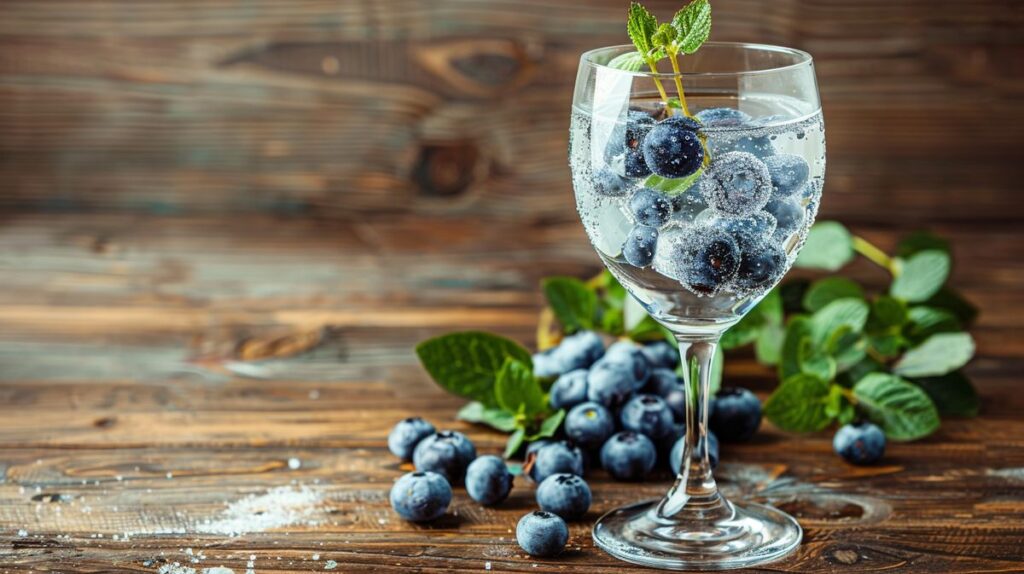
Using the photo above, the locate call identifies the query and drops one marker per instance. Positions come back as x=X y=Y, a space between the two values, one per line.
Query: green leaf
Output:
x=693 y=26
x=938 y=355
x=467 y=363
x=887 y=345
x=548 y=427
x=768 y=347
x=673 y=186
x=517 y=390
x=952 y=394
x=648 y=330
x=888 y=312
x=852 y=313
x=641 y=27
x=825 y=291
x=829 y=246
x=663 y=36
x=630 y=62
x=903 y=410
x=573 y=303
x=955 y=303
x=497 y=419
x=920 y=241
x=800 y=404
x=921 y=276
x=799 y=328
x=816 y=363
x=859 y=370
x=927 y=321
x=744 y=332
x=515 y=441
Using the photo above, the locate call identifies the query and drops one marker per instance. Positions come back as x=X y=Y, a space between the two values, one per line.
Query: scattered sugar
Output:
x=487 y=565
x=294 y=463
x=316 y=557
x=330 y=565
x=282 y=506
x=176 y=568
x=23 y=533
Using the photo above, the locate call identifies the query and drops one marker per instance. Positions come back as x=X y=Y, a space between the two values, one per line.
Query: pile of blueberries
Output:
x=732 y=222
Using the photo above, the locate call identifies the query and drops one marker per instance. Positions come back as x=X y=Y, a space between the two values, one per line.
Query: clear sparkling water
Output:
x=731 y=197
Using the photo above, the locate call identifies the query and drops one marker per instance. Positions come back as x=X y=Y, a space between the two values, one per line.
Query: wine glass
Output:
x=699 y=217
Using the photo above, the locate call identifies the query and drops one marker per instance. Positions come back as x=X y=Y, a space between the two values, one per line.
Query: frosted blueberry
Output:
x=640 y=245
x=789 y=173
x=737 y=184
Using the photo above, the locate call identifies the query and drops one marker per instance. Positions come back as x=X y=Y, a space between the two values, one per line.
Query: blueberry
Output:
x=608 y=183
x=447 y=453
x=569 y=390
x=661 y=355
x=610 y=383
x=546 y=364
x=406 y=435
x=687 y=205
x=624 y=145
x=662 y=382
x=648 y=415
x=638 y=250
x=859 y=443
x=589 y=424
x=672 y=148
x=711 y=258
x=557 y=457
x=736 y=416
x=737 y=184
x=789 y=217
x=748 y=231
x=421 y=496
x=580 y=350
x=650 y=207
x=628 y=455
x=789 y=173
x=676 y=458
x=566 y=495
x=761 y=266
x=676 y=401
x=629 y=353
x=542 y=534
x=535 y=446
x=760 y=146
x=722 y=117
x=488 y=480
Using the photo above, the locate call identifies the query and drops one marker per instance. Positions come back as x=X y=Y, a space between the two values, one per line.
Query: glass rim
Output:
x=803 y=59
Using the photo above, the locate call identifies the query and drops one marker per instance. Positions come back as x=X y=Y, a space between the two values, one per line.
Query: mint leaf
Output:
x=467 y=363
x=952 y=394
x=824 y=291
x=903 y=410
x=673 y=186
x=800 y=404
x=920 y=241
x=768 y=347
x=927 y=321
x=887 y=345
x=548 y=427
x=630 y=62
x=847 y=347
x=517 y=390
x=663 y=36
x=921 y=276
x=745 y=332
x=497 y=419
x=938 y=355
x=887 y=313
x=515 y=441
x=799 y=328
x=641 y=26
x=852 y=313
x=573 y=303
x=816 y=363
x=829 y=246
x=692 y=25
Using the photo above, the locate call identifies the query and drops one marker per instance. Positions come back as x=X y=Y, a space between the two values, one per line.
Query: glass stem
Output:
x=695 y=491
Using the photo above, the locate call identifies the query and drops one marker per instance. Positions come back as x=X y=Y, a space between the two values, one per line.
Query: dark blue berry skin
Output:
x=542 y=534
x=789 y=217
x=580 y=350
x=737 y=184
x=628 y=456
x=661 y=355
x=648 y=415
x=488 y=480
x=566 y=495
x=404 y=437
x=447 y=453
x=625 y=143
x=676 y=401
x=688 y=205
x=557 y=457
x=736 y=416
x=722 y=117
x=610 y=383
x=761 y=267
x=672 y=148
x=860 y=443
x=650 y=207
x=638 y=249
x=546 y=364
x=629 y=353
x=662 y=382
x=713 y=256
x=589 y=424
x=749 y=232
x=569 y=390
x=789 y=173
x=535 y=446
x=421 y=496
x=608 y=183
x=760 y=146
x=676 y=457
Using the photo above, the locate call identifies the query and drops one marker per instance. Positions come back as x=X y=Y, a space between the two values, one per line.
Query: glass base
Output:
x=740 y=537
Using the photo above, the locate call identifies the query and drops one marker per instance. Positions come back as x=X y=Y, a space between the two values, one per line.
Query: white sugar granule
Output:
x=330 y=565
x=281 y=506
x=294 y=463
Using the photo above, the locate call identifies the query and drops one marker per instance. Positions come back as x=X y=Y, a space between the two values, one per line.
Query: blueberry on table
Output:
x=610 y=184
x=662 y=381
x=736 y=416
x=672 y=149
x=488 y=480
x=761 y=266
x=722 y=117
x=789 y=173
x=589 y=424
x=661 y=354
x=859 y=443
x=535 y=446
x=421 y=496
x=737 y=184
x=710 y=258
x=580 y=350
x=569 y=390
x=789 y=216
x=629 y=353
x=404 y=437
x=640 y=245
x=676 y=457
x=566 y=495
x=542 y=534
x=676 y=401
x=610 y=383
x=624 y=144
x=648 y=415
x=650 y=207
x=557 y=457
x=546 y=364
x=628 y=455
x=447 y=453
